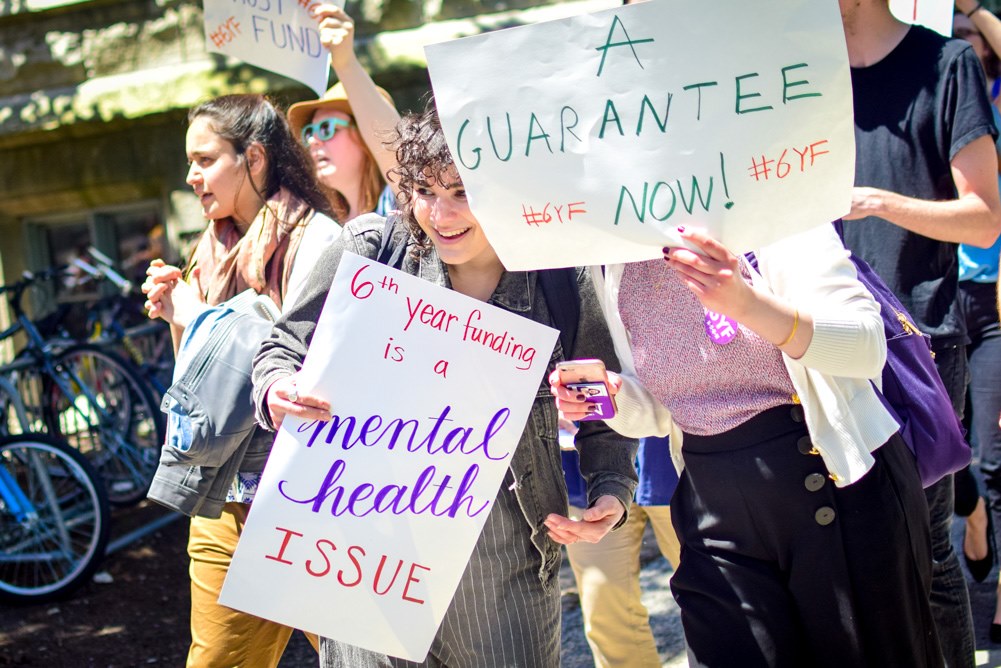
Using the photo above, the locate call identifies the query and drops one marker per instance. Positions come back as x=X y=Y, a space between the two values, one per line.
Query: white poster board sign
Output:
x=590 y=139
x=934 y=14
x=362 y=526
x=278 y=35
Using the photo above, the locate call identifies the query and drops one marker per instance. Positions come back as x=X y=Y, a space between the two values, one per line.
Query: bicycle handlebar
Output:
x=103 y=272
x=106 y=267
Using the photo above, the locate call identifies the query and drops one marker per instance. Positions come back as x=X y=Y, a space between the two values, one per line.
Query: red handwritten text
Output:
x=355 y=565
x=561 y=212
x=225 y=33
x=780 y=168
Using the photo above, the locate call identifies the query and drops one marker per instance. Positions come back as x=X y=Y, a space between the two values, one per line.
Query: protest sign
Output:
x=934 y=14
x=590 y=139
x=278 y=35
x=362 y=526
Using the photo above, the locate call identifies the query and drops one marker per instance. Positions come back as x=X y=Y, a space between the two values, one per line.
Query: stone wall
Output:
x=93 y=94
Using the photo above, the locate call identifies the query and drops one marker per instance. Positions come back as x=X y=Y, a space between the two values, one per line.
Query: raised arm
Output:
x=376 y=116
x=984 y=20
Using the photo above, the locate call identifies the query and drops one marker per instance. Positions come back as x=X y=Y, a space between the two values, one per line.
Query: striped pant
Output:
x=501 y=615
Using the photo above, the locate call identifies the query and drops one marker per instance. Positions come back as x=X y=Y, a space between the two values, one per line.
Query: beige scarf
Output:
x=230 y=262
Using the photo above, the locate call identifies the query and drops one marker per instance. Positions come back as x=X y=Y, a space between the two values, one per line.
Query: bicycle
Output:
x=54 y=515
x=54 y=518
x=89 y=397
x=115 y=322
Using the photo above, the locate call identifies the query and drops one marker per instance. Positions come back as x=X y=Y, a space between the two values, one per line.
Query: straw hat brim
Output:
x=336 y=99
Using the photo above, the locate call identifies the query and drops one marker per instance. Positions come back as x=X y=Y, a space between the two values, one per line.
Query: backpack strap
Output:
x=559 y=287
x=390 y=254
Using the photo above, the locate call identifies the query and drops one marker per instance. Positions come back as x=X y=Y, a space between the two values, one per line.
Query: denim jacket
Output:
x=211 y=431
x=606 y=458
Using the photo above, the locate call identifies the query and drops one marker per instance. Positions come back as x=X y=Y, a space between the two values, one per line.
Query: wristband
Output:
x=973 y=11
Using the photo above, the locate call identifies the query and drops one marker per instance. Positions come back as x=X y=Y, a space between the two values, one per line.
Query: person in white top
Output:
x=804 y=530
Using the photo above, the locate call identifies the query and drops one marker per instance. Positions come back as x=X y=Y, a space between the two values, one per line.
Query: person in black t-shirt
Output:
x=926 y=179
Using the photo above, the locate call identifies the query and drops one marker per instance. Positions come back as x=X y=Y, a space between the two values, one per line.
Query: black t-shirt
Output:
x=914 y=110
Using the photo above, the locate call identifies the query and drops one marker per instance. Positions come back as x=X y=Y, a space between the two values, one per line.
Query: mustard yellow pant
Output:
x=222 y=637
x=616 y=622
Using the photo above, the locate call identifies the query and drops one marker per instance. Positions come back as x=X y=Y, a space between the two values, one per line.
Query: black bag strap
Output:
x=389 y=254
x=559 y=287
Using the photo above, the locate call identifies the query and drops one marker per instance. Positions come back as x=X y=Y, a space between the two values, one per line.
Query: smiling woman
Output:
x=506 y=610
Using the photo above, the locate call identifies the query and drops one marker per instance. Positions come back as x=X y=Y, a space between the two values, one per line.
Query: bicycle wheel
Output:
x=54 y=519
x=104 y=410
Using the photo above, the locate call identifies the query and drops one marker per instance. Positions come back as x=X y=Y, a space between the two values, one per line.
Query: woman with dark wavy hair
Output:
x=506 y=609
x=267 y=222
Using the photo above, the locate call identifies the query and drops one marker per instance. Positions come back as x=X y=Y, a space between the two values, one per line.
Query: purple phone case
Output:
x=598 y=395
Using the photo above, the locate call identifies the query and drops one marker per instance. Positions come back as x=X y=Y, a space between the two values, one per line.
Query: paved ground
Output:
x=666 y=623
x=139 y=617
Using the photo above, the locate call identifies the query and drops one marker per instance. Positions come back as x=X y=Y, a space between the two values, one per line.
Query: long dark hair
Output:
x=243 y=120
x=421 y=156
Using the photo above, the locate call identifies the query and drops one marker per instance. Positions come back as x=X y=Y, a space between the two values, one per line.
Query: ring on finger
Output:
x=293 y=395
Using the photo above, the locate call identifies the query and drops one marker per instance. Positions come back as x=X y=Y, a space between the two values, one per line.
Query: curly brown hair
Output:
x=422 y=156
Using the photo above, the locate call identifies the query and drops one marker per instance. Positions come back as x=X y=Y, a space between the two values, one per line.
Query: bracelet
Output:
x=795 y=326
x=973 y=11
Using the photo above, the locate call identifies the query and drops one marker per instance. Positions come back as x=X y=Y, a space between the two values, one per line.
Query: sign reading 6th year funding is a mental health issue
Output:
x=362 y=525
x=278 y=35
x=589 y=140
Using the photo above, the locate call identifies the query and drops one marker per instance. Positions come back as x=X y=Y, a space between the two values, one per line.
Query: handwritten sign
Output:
x=934 y=14
x=363 y=525
x=278 y=35
x=590 y=139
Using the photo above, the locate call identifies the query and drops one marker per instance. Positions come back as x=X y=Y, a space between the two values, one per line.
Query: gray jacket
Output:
x=606 y=458
x=211 y=429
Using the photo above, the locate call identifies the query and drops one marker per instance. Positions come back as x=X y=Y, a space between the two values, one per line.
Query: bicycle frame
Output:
x=14 y=497
x=66 y=380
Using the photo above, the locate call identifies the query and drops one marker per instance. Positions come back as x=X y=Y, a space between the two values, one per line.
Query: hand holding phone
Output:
x=589 y=378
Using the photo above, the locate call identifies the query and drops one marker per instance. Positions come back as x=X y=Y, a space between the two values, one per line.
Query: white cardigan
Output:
x=845 y=418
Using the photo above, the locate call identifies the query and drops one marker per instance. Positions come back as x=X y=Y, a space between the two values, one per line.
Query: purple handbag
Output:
x=913 y=391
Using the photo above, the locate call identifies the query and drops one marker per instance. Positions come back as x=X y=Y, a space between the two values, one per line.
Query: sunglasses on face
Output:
x=323 y=130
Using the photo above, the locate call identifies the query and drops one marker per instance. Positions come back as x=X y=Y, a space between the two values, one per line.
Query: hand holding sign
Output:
x=337 y=33
x=278 y=35
x=285 y=399
x=712 y=273
x=589 y=140
x=377 y=507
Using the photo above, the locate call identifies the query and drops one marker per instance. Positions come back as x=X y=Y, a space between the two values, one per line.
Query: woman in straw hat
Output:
x=343 y=136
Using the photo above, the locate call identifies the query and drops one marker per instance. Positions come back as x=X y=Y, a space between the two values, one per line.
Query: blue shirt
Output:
x=387 y=202
x=980 y=265
x=657 y=476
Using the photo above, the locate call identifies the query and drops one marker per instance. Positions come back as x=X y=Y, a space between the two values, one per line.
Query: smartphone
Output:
x=590 y=379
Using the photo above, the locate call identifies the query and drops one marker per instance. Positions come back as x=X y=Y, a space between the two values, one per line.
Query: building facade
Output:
x=93 y=100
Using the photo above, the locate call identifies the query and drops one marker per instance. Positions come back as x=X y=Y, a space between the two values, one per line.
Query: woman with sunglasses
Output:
x=258 y=191
x=342 y=136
